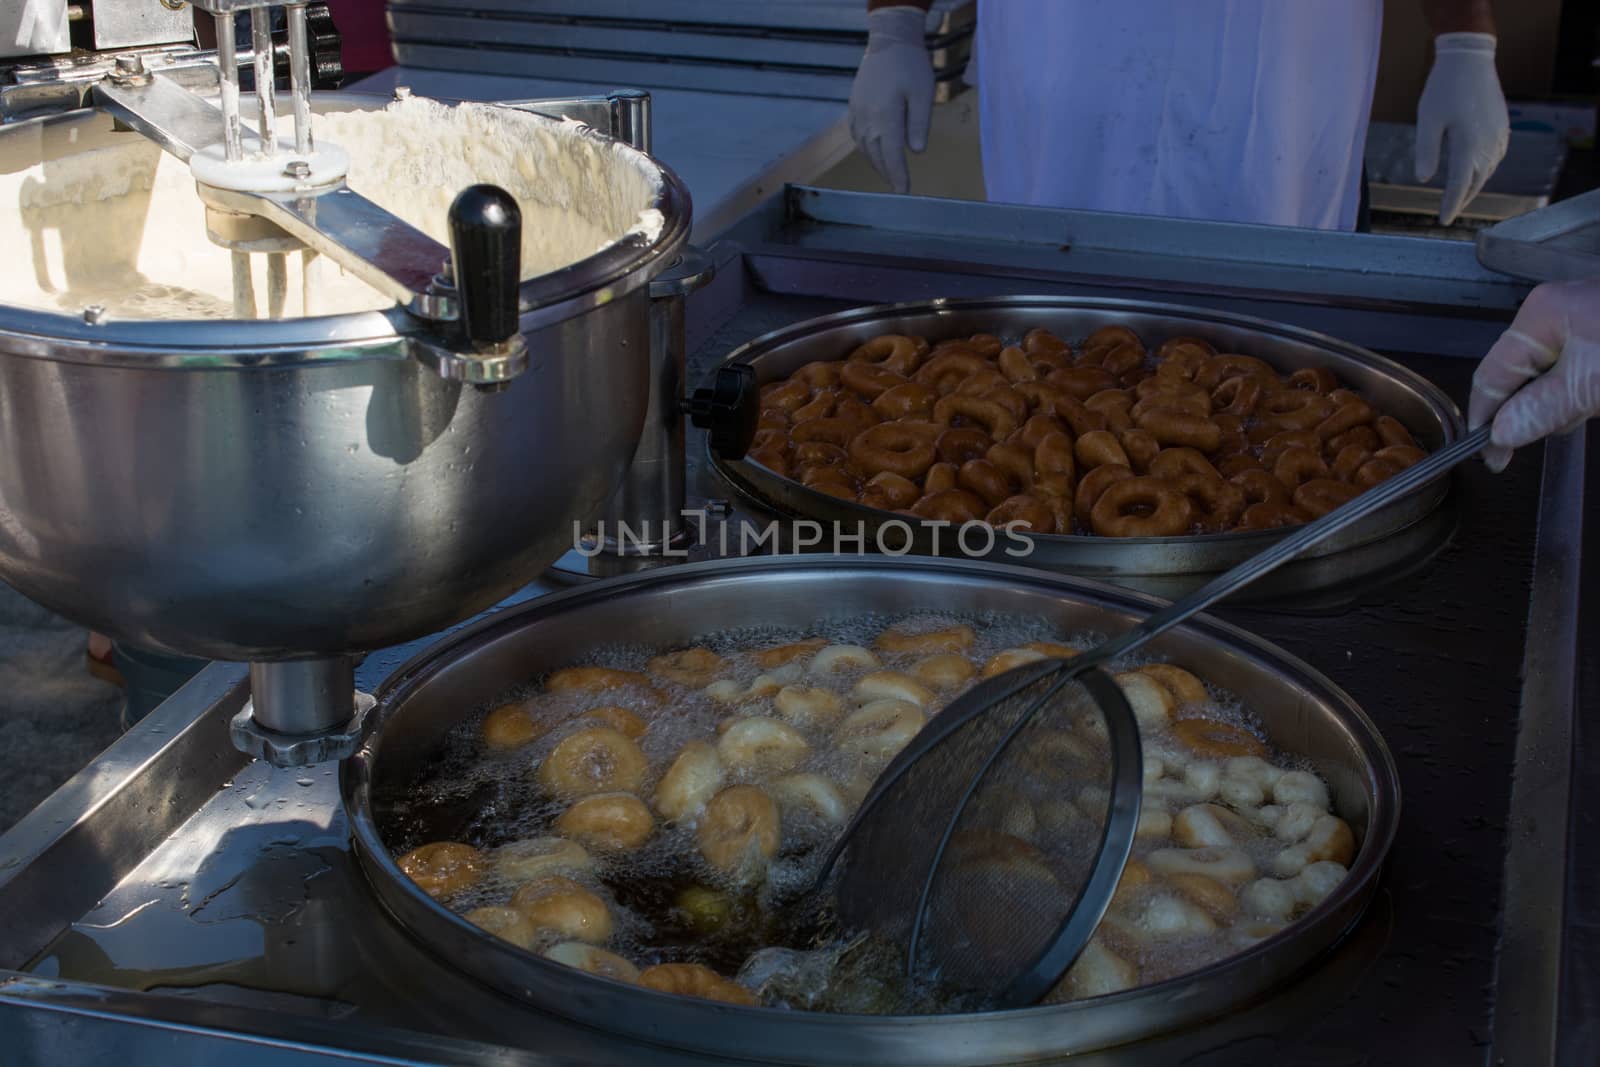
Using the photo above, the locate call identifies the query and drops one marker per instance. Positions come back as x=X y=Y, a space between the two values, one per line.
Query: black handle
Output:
x=486 y=251
x=729 y=409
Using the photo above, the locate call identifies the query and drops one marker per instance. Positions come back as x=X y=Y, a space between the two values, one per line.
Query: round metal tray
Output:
x=1425 y=410
x=1302 y=711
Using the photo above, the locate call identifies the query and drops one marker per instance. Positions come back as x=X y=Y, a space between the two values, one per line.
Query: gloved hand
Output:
x=1543 y=375
x=1462 y=101
x=891 y=102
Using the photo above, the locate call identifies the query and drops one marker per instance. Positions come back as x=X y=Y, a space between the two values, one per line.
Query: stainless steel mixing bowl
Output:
x=253 y=490
x=1303 y=712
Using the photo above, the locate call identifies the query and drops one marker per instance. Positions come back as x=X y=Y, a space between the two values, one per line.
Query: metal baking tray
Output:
x=1302 y=711
x=788 y=48
x=694 y=75
x=1557 y=243
x=1425 y=410
x=833 y=16
x=1524 y=181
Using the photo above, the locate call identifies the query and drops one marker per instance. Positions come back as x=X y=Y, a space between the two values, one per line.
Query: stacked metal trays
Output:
x=1425 y=410
x=1303 y=712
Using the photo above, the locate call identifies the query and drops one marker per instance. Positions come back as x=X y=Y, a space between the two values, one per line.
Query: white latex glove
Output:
x=1543 y=376
x=1462 y=101
x=891 y=102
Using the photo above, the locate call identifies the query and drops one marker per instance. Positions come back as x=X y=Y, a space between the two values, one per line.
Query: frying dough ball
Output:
x=508 y=924
x=560 y=906
x=1053 y=649
x=695 y=668
x=443 y=867
x=1150 y=701
x=617 y=718
x=1240 y=793
x=692 y=780
x=768 y=684
x=1209 y=826
x=596 y=760
x=1301 y=787
x=599 y=680
x=739 y=832
x=693 y=980
x=596 y=961
x=1153 y=769
x=950 y=639
x=1010 y=659
x=1269 y=898
x=1227 y=865
x=1097 y=972
x=706 y=910
x=1318 y=880
x=1172 y=916
x=1290 y=862
x=607 y=822
x=1135 y=876
x=511 y=726
x=880 y=729
x=1186 y=689
x=779 y=655
x=1154 y=824
x=1330 y=839
x=891 y=685
x=539 y=857
x=1251 y=769
x=1217 y=899
x=836 y=658
x=809 y=708
x=944 y=671
x=813 y=793
x=1204 y=777
x=762 y=746
x=1295 y=821
x=725 y=691
x=1250 y=934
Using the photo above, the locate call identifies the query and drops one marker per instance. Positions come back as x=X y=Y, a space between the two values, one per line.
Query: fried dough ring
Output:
x=1098 y=448
x=1023 y=511
x=1178 y=461
x=1392 y=432
x=595 y=760
x=442 y=868
x=960 y=444
x=1181 y=429
x=695 y=668
x=607 y=822
x=1092 y=486
x=1259 y=487
x=870 y=380
x=511 y=726
x=1297 y=466
x=897 y=447
x=695 y=980
x=908 y=400
x=738 y=833
x=596 y=680
x=1055 y=454
x=1141 y=507
x=1321 y=495
x=1271 y=515
x=994 y=417
x=986 y=480
x=1217 y=504
x=894 y=352
x=1082 y=382
x=955 y=506
x=1211 y=739
x=890 y=492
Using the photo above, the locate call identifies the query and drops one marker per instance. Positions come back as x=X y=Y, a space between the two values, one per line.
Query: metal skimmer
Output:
x=936 y=857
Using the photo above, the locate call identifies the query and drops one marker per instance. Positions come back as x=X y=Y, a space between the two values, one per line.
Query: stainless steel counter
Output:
x=175 y=902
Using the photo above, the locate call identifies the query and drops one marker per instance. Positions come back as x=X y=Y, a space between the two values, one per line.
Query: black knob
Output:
x=728 y=409
x=486 y=252
x=327 y=48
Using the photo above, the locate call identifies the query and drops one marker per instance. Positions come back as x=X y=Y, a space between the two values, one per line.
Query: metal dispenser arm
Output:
x=387 y=253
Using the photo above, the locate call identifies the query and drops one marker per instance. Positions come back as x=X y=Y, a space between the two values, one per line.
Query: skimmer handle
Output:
x=1312 y=533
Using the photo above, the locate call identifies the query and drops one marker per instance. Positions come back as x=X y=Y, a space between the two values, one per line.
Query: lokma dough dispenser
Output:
x=292 y=490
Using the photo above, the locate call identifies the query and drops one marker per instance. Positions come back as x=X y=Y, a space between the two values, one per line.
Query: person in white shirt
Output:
x=1232 y=110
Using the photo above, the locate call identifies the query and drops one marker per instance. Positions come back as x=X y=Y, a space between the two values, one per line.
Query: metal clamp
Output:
x=690 y=271
x=301 y=750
